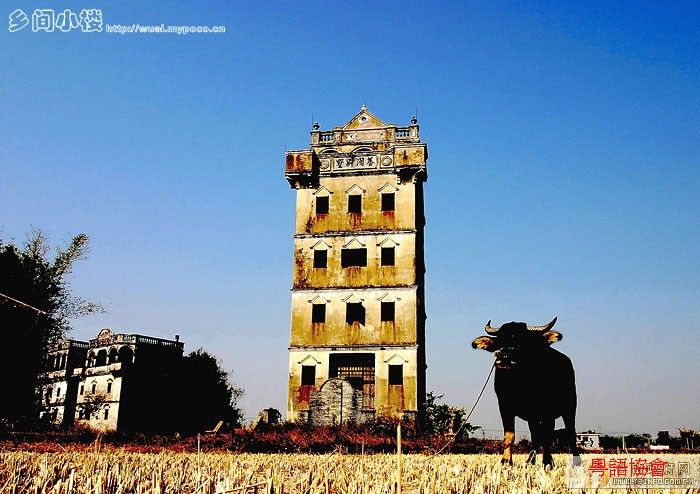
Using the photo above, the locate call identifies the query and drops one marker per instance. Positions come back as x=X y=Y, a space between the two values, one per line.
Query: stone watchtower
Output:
x=358 y=288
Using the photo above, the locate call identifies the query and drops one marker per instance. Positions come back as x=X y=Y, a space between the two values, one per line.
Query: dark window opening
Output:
x=320 y=258
x=388 y=202
x=82 y=389
x=106 y=413
x=355 y=313
x=322 y=204
x=318 y=313
x=353 y=257
x=308 y=375
x=355 y=203
x=58 y=392
x=396 y=375
x=126 y=355
x=109 y=386
x=388 y=312
x=94 y=387
x=388 y=256
x=101 y=358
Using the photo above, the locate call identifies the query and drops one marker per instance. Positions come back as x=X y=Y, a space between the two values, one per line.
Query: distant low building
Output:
x=112 y=382
x=588 y=440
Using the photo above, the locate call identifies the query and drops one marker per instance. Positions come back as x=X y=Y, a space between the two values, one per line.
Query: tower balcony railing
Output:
x=103 y=369
x=67 y=344
x=54 y=374
x=134 y=338
x=110 y=340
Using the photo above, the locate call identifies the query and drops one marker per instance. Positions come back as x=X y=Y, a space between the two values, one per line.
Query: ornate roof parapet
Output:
x=364 y=145
x=106 y=337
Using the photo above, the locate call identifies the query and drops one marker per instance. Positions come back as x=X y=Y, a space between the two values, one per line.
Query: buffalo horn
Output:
x=544 y=328
x=489 y=329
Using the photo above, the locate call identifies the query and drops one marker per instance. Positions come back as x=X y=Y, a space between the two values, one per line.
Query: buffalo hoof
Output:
x=507 y=462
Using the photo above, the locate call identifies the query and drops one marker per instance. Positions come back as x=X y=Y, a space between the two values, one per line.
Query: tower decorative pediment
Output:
x=388 y=297
x=322 y=192
x=354 y=244
x=321 y=245
x=364 y=119
x=353 y=299
x=387 y=242
x=355 y=189
x=309 y=360
x=387 y=188
x=395 y=360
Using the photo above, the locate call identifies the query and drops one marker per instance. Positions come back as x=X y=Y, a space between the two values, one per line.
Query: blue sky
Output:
x=564 y=145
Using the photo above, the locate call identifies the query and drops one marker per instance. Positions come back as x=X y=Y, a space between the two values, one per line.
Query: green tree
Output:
x=92 y=405
x=610 y=442
x=441 y=418
x=36 y=305
x=205 y=394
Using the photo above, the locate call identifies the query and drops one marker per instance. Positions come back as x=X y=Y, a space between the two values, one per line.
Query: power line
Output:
x=25 y=305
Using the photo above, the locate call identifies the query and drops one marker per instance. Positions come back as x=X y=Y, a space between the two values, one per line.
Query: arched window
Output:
x=126 y=355
x=101 y=358
x=113 y=355
x=94 y=387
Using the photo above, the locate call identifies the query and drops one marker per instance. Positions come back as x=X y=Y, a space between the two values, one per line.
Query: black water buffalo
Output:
x=534 y=382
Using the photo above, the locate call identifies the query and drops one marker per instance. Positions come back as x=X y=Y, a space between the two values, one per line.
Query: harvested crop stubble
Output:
x=119 y=471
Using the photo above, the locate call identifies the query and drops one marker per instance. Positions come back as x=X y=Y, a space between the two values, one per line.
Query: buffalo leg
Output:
x=570 y=427
x=508 y=421
x=547 y=436
x=535 y=439
x=508 y=439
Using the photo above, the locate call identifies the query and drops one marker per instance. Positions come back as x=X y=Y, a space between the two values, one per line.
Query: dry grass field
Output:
x=120 y=471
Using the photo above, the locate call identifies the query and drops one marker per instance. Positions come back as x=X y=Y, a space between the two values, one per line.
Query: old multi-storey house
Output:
x=113 y=382
x=358 y=312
